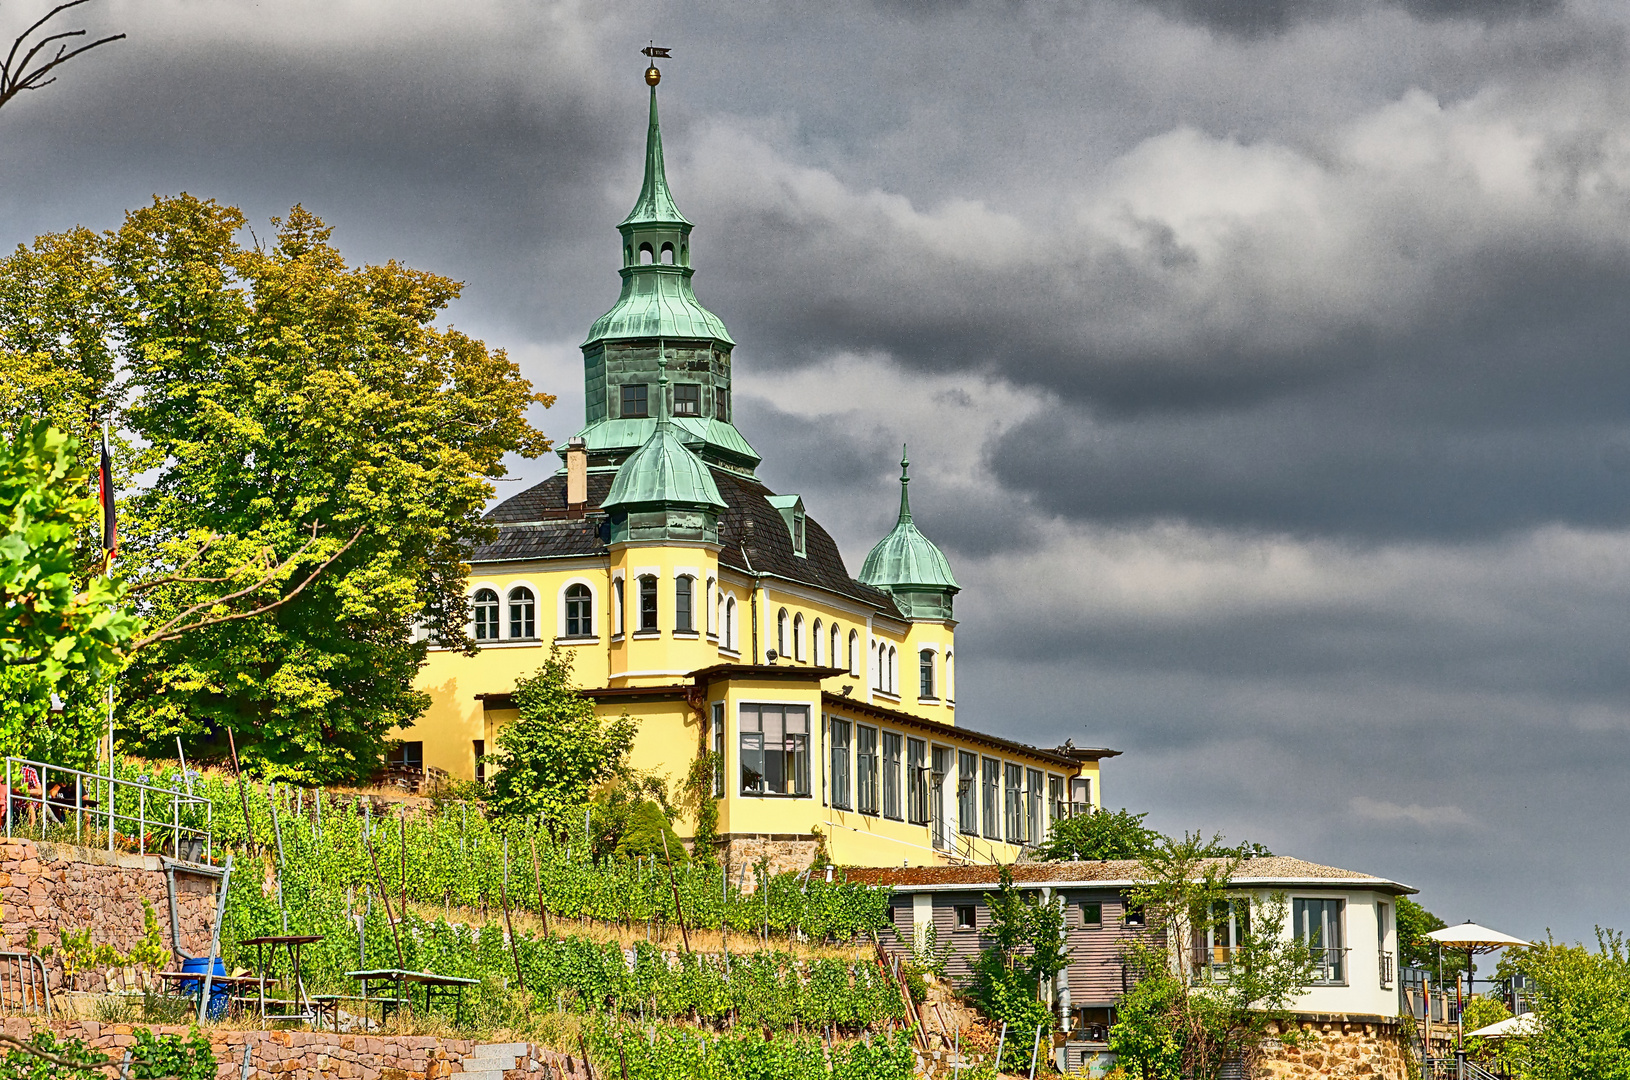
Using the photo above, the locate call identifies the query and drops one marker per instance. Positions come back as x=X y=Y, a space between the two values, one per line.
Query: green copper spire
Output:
x=655 y=206
x=906 y=564
x=657 y=305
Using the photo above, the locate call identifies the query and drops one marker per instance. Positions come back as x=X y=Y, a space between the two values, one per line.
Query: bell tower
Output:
x=657 y=321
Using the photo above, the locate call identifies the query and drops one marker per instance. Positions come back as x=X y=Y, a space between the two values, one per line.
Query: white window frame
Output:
x=499 y=626
x=560 y=610
x=503 y=610
x=619 y=606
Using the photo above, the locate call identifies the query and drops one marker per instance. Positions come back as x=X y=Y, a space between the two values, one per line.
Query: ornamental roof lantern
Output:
x=907 y=565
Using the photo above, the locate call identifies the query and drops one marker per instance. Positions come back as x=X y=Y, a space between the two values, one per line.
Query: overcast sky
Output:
x=1263 y=361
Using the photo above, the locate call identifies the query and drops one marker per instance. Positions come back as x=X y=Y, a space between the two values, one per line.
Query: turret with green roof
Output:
x=658 y=317
x=663 y=491
x=906 y=564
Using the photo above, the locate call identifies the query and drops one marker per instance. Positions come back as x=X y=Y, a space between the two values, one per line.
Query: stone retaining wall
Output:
x=51 y=887
x=310 y=1055
x=1346 y=1047
x=784 y=854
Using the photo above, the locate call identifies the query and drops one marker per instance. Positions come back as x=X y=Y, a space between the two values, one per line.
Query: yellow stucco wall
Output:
x=619 y=655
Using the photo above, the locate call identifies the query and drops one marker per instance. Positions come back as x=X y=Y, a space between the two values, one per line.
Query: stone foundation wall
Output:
x=52 y=887
x=784 y=854
x=1344 y=1047
x=310 y=1055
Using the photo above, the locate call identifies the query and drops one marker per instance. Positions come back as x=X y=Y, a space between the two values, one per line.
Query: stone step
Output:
x=513 y=1050
x=482 y=1074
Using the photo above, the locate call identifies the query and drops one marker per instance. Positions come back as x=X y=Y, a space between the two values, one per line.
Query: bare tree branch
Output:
x=19 y=74
x=179 y=625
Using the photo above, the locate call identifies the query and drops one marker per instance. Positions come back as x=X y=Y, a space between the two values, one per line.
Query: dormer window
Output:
x=687 y=399
x=636 y=402
x=791 y=509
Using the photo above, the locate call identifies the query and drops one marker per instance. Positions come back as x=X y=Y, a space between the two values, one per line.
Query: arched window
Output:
x=668 y=252
x=645 y=255
x=579 y=611
x=648 y=603
x=854 y=654
x=835 y=657
x=894 y=670
x=815 y=643
x=523 y=614
x=713 y=603
x=950 y=680
x=485 y=604
x=874 y=665
x=730 y=624
x=925 y=673
x=683 y=587
x=798 y=637
x=621 y=614
x=781 y=633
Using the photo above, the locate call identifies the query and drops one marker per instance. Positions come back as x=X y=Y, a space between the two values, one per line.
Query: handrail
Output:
x=92 y=799
x=26 y=964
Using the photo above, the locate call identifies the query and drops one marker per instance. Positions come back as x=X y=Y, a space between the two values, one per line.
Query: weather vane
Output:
x=652 y=75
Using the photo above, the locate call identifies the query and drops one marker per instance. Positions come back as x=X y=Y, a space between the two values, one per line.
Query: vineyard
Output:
x=344 y=872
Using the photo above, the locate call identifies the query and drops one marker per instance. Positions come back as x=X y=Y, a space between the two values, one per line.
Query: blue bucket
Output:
x=218 y=995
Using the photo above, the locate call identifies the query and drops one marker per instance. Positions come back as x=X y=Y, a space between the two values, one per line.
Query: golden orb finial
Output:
x=652 y=75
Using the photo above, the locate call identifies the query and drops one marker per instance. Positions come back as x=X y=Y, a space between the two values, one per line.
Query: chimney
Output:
x=577 y=475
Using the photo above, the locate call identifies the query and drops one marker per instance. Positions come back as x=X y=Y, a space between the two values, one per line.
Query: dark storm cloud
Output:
x=1267 y=385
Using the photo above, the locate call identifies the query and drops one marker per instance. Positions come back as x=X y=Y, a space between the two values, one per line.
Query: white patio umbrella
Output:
x=1512 y=1027
x=1474 y=939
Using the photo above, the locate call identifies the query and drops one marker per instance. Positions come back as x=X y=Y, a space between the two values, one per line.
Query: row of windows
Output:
x=636 y=401
x=875 y=771
x=828 y=643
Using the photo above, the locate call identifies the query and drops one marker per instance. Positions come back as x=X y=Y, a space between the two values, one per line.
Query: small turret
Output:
x=906 y=564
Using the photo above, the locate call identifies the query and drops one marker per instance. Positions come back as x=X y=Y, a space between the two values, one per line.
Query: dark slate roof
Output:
x=536 y=524
x=1268 y=871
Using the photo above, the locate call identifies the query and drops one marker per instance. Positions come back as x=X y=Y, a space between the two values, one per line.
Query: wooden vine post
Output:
x=385 y=898
x=520 y=980
x=672 y=884
x=537 y=878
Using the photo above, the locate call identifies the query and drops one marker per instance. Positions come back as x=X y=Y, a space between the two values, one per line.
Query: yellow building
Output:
x=722 y=617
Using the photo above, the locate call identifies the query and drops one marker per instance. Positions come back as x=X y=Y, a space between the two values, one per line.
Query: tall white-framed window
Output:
x=854 y=654
x=718 y=749
x=815 y=643
x=782 y=624
x=713 y=603
x=798 y=637
x=684 y=603
x=835 y=657
x=774 y=749
x=484 y=609
x=576 y=613
x=523 y=613
x=874 y=668
x=619 y=604
x=894 y=670
x=925 y=673
x=729 y=628
x=950 y=678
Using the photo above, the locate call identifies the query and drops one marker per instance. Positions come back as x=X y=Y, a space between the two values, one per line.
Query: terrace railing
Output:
x=24 y=987
x=135 y=814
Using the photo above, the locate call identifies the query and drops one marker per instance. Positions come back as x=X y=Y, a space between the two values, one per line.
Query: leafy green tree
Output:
x=553 y=756
x=1582 y=1004
x=1027 y=946
x=1102 y=835
x=319 y=452
x=1218 y=1008
x=1121 y=834
x=1419 y=951
x=62 y=626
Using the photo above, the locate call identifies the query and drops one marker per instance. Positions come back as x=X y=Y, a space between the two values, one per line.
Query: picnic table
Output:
x=265 y=955
x=435 y=987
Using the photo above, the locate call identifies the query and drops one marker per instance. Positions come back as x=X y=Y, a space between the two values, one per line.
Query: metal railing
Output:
x=24 y=986
x=48 y=798
x=1329 y=967
x=1385 y=967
